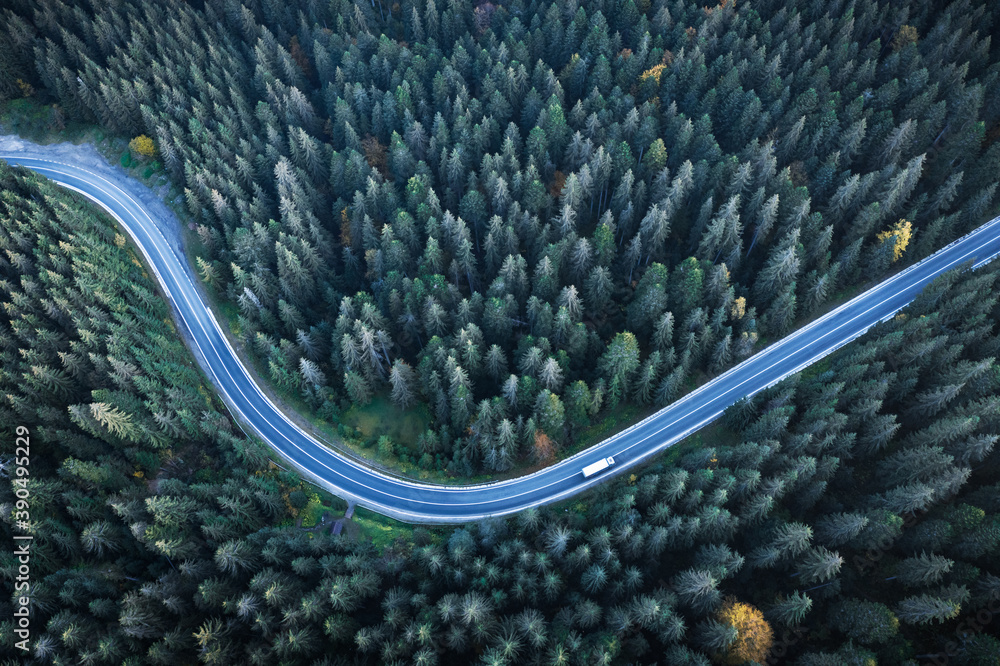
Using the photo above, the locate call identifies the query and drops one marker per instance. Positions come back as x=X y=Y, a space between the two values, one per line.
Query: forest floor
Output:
x=382 y=417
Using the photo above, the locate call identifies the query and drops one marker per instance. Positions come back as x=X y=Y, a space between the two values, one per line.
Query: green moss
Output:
x=381 y=417
x=381 y=531
x=614 y=420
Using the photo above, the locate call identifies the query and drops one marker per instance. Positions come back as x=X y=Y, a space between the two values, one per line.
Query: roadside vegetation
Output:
x=509 y=229
x=525 y=217
x=852 y=508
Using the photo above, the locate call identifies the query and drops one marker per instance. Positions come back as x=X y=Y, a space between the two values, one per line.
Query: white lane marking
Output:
x=834 y=330
x=206 y=312
x=784 y=342
x=195 y=313
x=757 y=358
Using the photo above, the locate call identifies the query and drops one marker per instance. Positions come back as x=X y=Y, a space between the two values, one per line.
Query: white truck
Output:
x=599 y=466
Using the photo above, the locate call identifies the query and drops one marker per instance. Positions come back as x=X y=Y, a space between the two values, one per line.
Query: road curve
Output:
x=413 y=501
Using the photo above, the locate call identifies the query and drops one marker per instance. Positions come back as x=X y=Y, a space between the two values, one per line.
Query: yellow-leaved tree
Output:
x=753 y=634
x=899 y=234
x=142 y=145
x=27 y=89
x=905 y=36
x=654 y=73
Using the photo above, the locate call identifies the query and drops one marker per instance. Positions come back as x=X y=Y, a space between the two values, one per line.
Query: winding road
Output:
x=413 y=501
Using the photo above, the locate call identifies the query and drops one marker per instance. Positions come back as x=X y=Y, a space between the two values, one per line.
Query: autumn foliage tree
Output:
x=142 y=145
x=899 y=236
x=906 y=35
x=754 y=635
x=550 y=175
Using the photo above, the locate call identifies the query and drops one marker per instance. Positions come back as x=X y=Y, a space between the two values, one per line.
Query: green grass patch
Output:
x=383 y=532
x=382 y=417
x=817 y=368
x=321 y=502
x=714 y=434
x=614 y=420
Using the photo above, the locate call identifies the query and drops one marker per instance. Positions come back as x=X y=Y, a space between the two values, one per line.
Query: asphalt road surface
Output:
x=418 y=502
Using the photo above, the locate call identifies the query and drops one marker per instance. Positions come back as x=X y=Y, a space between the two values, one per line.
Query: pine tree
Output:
x=698 y=590
x=402 y=378
x=792 y=610
x=117 y=422
x=922 y=570
x=869 y=622
x=927 y=608
x=715 y=636
x=781 y=268
x=311 y=373
x=618 y=364
x=357 y=388
x=840 y=528
x=722 y=238
x=818 y=565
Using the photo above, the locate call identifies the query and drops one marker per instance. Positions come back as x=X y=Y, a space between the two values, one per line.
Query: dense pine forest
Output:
x=523 y=215
x=520 y=218
x=853 y=517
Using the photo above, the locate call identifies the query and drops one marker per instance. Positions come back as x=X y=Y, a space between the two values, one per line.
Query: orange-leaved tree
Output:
x=754 y=635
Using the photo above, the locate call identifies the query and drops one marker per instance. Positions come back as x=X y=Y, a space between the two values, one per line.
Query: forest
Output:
x=463 y=207
x=519 y=217
x=849 y=515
